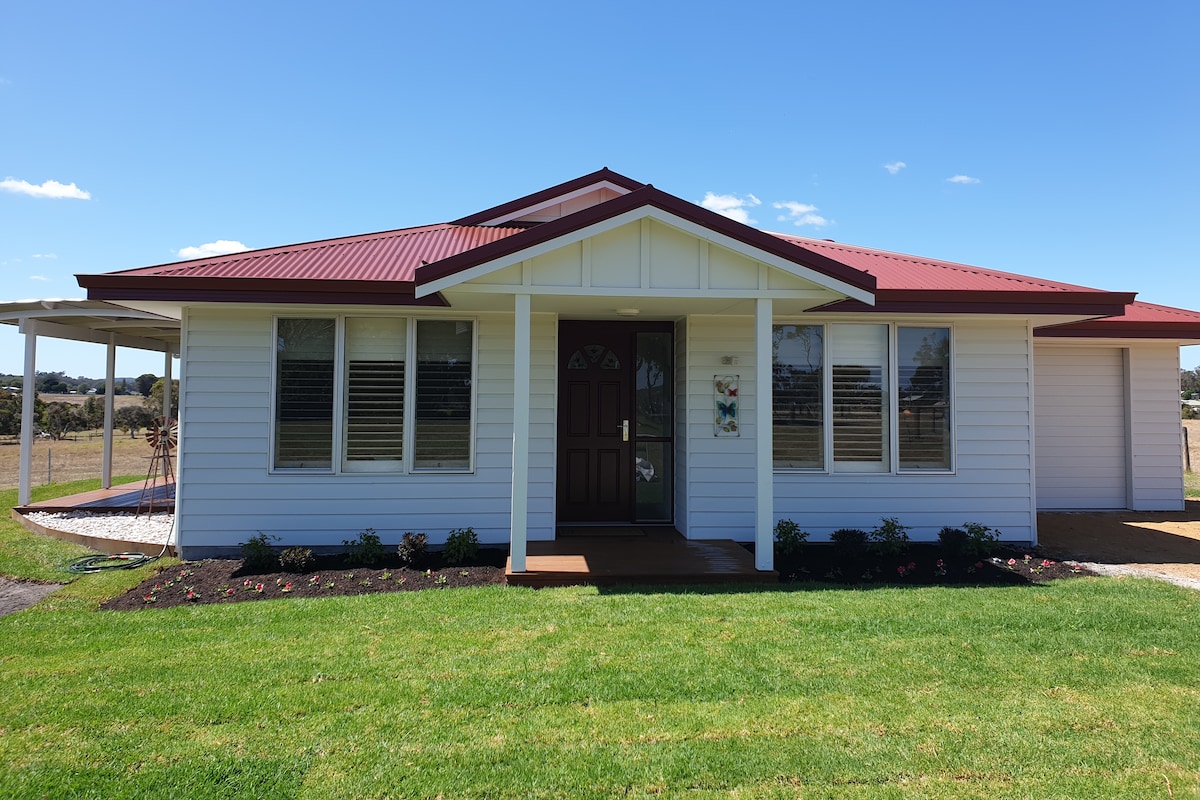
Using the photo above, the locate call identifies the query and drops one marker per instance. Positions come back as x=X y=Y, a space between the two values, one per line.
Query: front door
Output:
x=614 y=422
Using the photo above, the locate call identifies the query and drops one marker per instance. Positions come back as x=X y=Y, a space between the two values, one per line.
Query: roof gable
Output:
x=556 y=201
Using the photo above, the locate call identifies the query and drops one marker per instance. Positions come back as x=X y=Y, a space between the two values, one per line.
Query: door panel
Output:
x=606 y=391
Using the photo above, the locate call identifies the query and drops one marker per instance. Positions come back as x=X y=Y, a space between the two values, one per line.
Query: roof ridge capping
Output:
x=512 y=207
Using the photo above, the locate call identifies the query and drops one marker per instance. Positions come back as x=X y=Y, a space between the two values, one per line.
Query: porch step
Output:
x=608 y=561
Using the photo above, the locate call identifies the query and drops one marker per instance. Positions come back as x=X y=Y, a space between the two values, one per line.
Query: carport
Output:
x=95 y=321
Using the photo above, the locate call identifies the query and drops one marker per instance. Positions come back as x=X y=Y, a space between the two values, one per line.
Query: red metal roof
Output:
x=387 y=256
x=1140 y=321
x=386 y=268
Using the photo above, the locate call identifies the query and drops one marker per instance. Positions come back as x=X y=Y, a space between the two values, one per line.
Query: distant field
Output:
x=119 y=400
x=77 y=457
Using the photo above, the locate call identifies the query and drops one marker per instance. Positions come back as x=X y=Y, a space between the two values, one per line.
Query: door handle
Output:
x=625 y=431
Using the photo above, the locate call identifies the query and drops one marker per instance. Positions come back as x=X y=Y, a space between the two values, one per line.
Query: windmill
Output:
x=163 y=436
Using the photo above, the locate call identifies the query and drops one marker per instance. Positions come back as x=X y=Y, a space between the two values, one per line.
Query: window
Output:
x=798 y=381
x=923 y=372
x=845 y=399
x=401 y=398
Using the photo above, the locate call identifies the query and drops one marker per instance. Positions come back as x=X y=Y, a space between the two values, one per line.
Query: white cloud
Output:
x=38 y=278
x=52 y=189
x=45 y=255
x=895 y=166
x=732 y=206
x=221 y=247
x=962 y=179
x=800 y=214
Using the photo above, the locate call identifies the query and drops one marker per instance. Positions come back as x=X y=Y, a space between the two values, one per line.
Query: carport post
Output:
x=28 y=397
x=110 y=371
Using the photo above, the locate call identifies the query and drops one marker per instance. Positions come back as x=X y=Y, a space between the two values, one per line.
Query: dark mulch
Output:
x=227 y=581
x=926 y=565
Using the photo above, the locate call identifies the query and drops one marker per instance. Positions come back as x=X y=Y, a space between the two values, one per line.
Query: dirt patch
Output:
x=1167 y=542
x=19 y=595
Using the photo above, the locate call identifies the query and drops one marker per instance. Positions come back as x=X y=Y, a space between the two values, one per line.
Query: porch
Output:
x=641 y=555
x=123 y=499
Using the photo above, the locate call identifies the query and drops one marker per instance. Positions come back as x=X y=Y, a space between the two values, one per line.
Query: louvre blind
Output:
x=798 y=399
x=859 y=355
x=374 y=418
x=304 y=394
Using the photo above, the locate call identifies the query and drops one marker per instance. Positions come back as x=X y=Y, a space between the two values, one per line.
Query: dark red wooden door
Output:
x=595 y=433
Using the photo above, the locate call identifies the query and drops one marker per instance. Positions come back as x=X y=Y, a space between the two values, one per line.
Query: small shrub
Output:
x=462 y=546
x=412 y=548
x=789 y=539
x=954 y=542
x=257 y=552
x=365 y=550
x=981 y=540
x=890 y=538
x=849 y=542
x=296 y=559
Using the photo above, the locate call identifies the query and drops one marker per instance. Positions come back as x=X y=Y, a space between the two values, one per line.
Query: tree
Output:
x=1189 y=383
x=59 y=419
x=131 y=418
x=93 y=409
x=145 y=383
x=155 y=401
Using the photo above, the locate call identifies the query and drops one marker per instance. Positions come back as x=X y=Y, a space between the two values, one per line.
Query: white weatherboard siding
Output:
x=1108 y=427
x=719 y=471
x=1156 y=433
x=230 y=494
x=1082 y=454
x=992 y=480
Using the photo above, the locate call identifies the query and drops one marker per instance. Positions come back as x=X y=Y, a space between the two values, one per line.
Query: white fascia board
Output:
x=55 y=330
x=651 y=212
x=562 y=198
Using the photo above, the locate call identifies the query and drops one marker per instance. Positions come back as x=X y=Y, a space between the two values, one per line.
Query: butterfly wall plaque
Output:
x=725 y=396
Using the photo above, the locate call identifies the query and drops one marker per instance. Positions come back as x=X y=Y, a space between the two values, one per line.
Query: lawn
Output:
x=1081 y=688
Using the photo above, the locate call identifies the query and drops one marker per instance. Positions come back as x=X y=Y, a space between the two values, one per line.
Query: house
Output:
x=604 y=352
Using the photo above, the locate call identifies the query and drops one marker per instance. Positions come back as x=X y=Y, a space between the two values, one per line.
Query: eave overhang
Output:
x=179 y=289
x=896 y=301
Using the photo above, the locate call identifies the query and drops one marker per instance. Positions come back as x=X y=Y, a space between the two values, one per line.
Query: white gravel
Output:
x=126 y=527
x=1116 y=570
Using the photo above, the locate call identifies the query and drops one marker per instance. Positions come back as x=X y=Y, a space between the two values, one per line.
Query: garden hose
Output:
x=104 y=563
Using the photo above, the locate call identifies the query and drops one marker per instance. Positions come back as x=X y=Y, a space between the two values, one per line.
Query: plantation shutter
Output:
x=304 y=394
x=374 y=404
x=858 y=356
x=442 y=424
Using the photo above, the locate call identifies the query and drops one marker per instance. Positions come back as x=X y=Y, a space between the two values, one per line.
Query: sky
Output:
x=1054 y=139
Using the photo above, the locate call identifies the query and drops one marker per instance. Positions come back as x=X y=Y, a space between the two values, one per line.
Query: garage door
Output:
x=1079 y=407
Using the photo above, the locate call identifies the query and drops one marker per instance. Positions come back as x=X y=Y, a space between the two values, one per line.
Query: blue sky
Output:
x=1051 y=139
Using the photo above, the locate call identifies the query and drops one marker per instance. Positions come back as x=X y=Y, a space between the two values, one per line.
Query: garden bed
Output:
x=229 y=581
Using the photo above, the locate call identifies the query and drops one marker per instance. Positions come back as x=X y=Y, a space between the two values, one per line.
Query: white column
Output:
x=28 y=397
x=166 y=409
x=520 y=473
x=764 y=511
x=110 y=372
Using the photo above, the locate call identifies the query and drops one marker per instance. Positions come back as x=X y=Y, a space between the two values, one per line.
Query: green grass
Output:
x=1083 y=688
x=1191 y=485
x=28 y=556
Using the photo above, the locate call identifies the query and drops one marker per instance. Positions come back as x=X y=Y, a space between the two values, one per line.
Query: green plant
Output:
x=365 y=550
x=849 y=542
x=462 y=546
x=412 y=548
x=789 y=539
x=258 y=554
x=890 y=538
x=981 y=540
x=296 y=559
x=954 y=542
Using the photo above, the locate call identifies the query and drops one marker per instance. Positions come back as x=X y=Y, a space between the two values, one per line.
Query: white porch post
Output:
x=764 y=512
x=28 y=397
x=166 y=409
x=520 y=473
x=110 y=371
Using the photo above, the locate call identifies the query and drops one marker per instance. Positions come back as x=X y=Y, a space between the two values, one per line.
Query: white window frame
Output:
x=406 y=466
x=893 y=399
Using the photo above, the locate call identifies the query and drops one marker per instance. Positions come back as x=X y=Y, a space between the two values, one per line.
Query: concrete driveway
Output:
x=1159 y=543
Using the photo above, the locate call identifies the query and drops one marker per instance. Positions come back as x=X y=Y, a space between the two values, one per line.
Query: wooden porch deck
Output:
x=616 y=556
x=119 y=498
